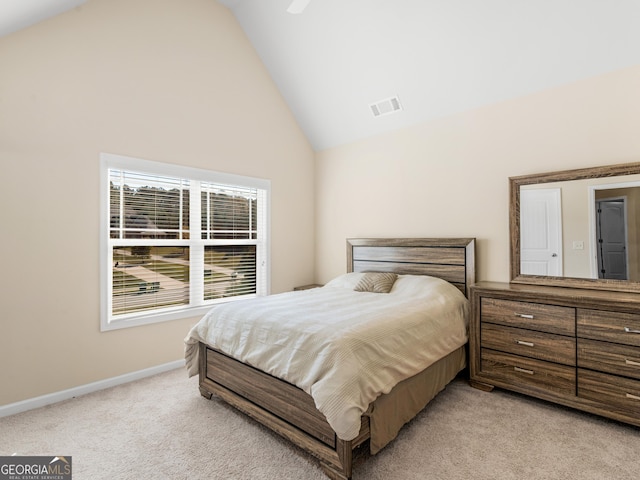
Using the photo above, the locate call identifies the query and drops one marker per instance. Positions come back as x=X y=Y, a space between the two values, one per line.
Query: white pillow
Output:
x=418 y=285
x=346 y=280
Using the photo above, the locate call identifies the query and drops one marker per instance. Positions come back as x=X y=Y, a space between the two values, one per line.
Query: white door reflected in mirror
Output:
x=541 y=232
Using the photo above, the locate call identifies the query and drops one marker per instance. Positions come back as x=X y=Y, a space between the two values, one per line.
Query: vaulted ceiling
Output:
x=18 y=14
x=439 y=57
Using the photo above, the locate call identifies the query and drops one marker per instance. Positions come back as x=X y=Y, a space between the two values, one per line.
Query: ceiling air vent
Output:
x=384 y=107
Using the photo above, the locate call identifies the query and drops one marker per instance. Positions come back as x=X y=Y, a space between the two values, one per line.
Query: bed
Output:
x=316 y=405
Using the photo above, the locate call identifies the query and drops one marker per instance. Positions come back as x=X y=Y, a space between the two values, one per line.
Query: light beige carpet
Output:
x=161 y=428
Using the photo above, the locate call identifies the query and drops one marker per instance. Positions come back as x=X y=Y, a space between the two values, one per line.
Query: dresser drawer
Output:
x=535 y=316
x=609 y=357
x=528 y=343
x=609 y=326
x=528 y=373
x=621 y=394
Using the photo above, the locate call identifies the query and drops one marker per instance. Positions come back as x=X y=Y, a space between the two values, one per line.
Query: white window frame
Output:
x=196 y=307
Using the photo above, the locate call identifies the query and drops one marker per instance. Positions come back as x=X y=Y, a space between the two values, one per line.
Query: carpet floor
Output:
x=161 y=428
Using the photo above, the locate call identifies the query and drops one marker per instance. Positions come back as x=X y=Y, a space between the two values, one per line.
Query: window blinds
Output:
x=148 y=206
x=177 y=242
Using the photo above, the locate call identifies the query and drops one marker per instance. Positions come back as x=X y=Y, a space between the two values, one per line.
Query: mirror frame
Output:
x=514 y=227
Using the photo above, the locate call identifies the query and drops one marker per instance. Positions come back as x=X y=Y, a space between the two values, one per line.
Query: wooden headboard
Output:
x=452 y=259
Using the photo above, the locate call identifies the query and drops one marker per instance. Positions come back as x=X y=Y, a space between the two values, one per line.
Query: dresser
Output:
x=575 y=347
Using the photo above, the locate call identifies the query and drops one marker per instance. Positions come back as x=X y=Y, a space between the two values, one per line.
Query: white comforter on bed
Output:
x=342 y=347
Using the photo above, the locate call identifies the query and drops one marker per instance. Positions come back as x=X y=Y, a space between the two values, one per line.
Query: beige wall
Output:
x=156 y=79
x=450 y=177
x=179 y=82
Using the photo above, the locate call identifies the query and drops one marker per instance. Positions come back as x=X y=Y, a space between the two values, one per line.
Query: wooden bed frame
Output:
x=289 y=411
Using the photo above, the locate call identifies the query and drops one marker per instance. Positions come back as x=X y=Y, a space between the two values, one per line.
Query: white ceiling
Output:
x=18 y=14
x=439 y=57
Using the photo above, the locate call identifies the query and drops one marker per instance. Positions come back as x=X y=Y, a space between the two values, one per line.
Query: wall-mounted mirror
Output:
x=577 y=228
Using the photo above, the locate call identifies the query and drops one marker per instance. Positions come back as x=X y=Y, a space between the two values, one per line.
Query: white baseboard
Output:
x=37 y=402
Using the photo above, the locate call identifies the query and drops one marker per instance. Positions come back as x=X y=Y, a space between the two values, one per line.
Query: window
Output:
x=176 y=240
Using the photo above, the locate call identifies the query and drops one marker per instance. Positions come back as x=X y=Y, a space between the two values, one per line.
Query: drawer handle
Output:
x=633 y=397
x=631 y=330
x=526 y=344
x=530 y=317
x=522 y=370
x=631 y=362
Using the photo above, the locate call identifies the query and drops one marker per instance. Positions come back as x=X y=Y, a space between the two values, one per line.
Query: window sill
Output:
x=138 y=320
